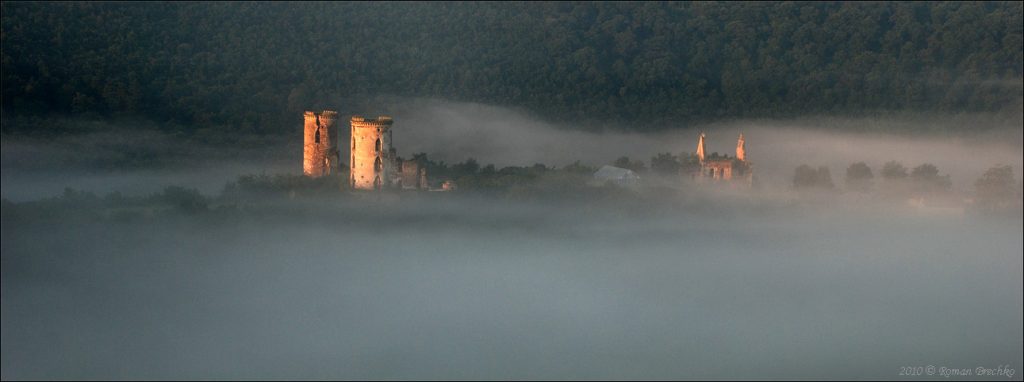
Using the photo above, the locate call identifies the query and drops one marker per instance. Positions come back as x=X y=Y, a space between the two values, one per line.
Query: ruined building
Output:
x=320 y=144
x=372 y=160
x=722 y=167
x=373 y=163
x=414 y=175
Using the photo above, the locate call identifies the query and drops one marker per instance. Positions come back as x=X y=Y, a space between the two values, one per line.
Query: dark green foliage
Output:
x=253 y=67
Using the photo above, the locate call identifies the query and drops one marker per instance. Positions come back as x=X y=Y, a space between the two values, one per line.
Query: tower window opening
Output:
x=316 y=137
x=379 y=146
x=377 y=165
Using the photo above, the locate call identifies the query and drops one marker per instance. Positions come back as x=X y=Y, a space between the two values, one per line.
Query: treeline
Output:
x=253 y=67
x=996 y=191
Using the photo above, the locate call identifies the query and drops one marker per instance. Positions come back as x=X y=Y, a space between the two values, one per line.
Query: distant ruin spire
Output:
x=700 y=148
x=741 y=150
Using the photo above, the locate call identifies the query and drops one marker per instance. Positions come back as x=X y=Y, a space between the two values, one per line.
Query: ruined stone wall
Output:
x=722 y=167
x=371 y=161
x=410 y=171
x=414 y=176
x=719 y=169
x=320 y=154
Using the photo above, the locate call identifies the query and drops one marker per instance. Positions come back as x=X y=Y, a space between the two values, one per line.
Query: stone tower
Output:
x=741 y=149
x=320 y=144
x=700 y=148
x=372 y=155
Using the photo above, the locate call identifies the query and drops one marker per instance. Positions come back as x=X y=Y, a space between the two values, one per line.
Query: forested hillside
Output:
x=256 y=66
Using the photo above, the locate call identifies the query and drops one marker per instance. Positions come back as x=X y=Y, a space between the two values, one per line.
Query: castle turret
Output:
x=371 y=161
x=320 y=144
x=700 y=148
x=741 y=150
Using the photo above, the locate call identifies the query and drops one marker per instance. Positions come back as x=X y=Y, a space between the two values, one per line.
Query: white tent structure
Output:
x=616 y=175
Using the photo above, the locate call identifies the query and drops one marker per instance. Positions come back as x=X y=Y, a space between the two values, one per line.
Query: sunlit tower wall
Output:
x=741 y=149
x=371 y=162
x=320 y=154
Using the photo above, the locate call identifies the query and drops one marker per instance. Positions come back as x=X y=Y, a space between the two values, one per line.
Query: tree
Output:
x=467 y=168
x=578 y=168
x=806 y=177
x=858 y=177
x=893 y=170
x=926 y=179
x=436 y=170
x=994 y=190
x=624 y=162
x=619 y=62
x=665 y=164
x=825 y=178
x=689 y=163
x=187 y=200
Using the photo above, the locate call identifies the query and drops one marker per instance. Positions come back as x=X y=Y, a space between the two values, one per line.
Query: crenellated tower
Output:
x=320 y=154
x=372 y=156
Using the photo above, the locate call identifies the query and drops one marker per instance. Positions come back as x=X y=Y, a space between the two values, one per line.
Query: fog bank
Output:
x=470 y=288
x=453 y=132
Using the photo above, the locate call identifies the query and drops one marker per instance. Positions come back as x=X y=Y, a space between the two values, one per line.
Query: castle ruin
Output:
x=320 y=154
x=414 y=175
x=722 y=167
x=372 y=161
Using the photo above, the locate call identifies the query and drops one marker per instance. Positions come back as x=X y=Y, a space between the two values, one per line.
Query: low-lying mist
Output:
x=697 y=282
x=962 y=146
x=437 y=286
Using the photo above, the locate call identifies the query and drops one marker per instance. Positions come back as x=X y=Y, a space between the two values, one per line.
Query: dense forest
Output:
x=256 y=66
